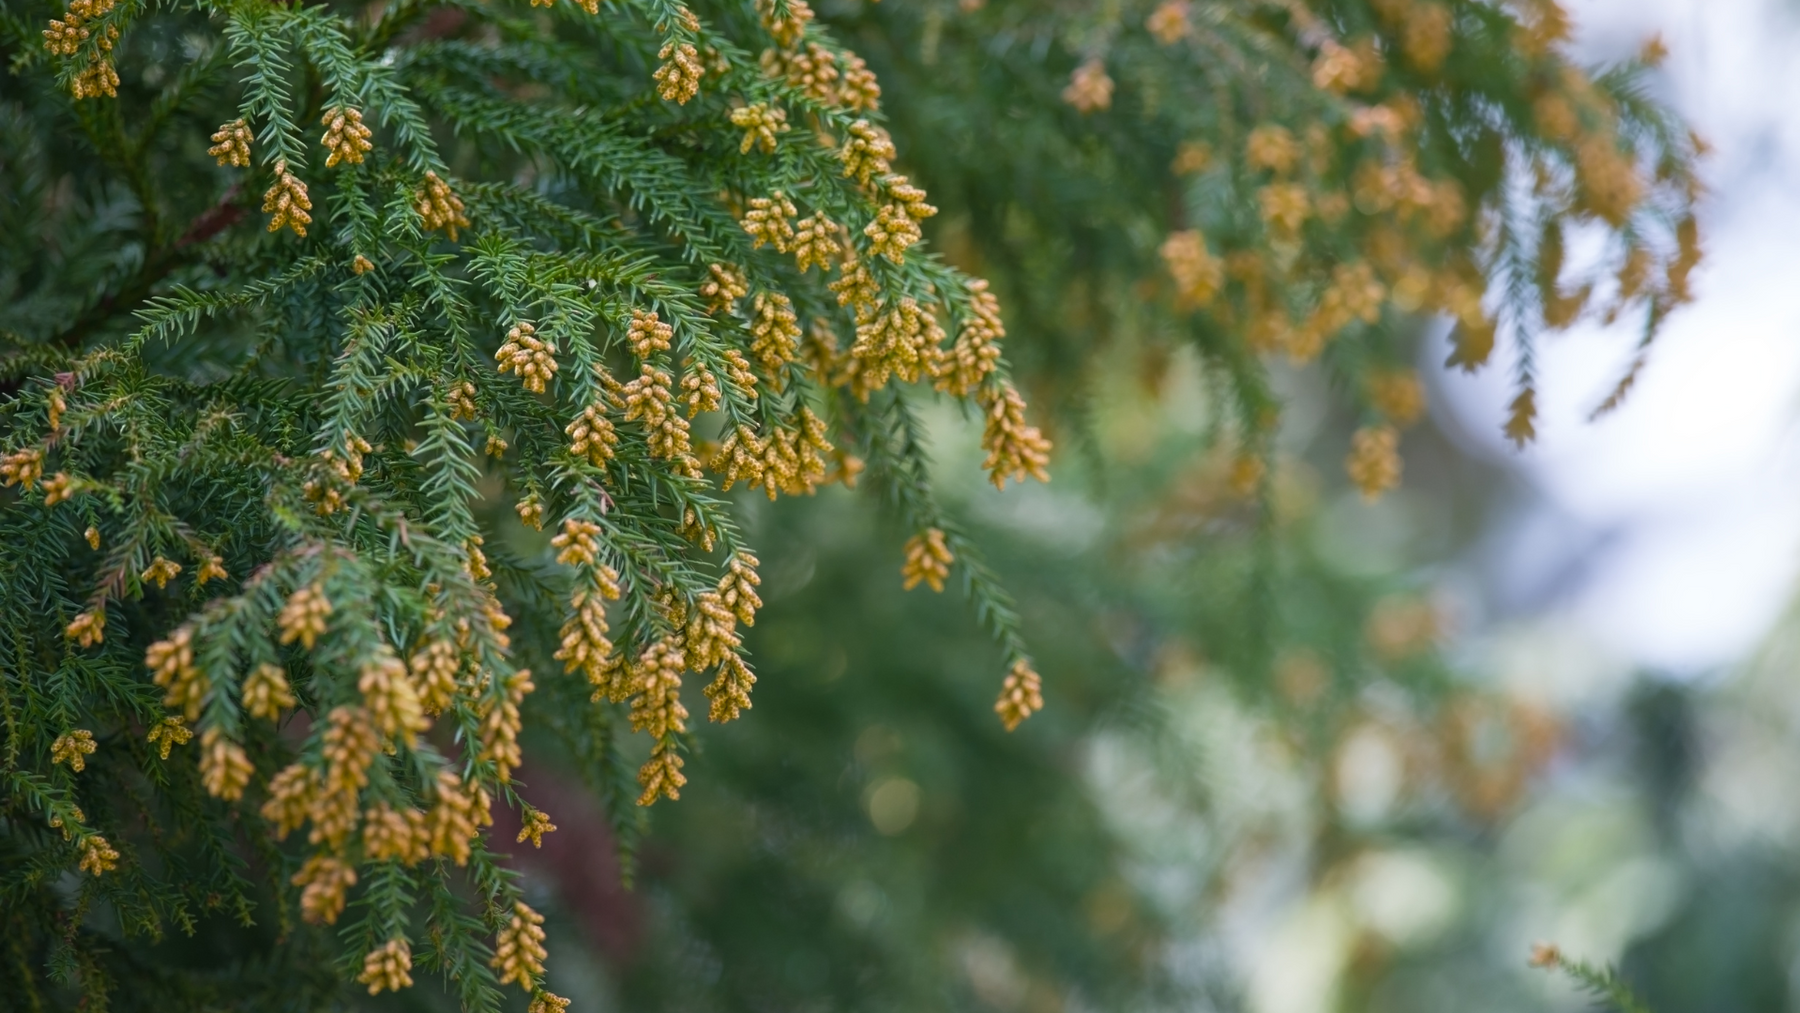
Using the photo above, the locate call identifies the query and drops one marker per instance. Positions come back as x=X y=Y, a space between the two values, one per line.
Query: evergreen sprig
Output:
x=1600 y=981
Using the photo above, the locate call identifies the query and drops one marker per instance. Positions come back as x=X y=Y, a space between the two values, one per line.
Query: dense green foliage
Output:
x=275 y=473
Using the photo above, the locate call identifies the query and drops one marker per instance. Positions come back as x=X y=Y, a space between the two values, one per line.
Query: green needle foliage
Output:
x=314 y=317
x=1601 y=983
x=271 y=465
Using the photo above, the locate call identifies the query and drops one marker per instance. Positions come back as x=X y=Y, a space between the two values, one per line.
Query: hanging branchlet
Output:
x=22 y=468
x=787 y=30
x=892 y=232
x=816 y=242
x=576 y=545
x=649 y=399
x=813 y=71
x=1374 y=460
x=867 y=153
x=225 y=768
x=533 y=825
x=65 y=35
x=435 y=666
x=699 y=388
x=324 y=881
x=1021 y=695
x=501 y=722
x=168 y=733
x=591 y=436
x=346 y=137
x=438 y=206
x=531 y=512
x=737 y=588
x=774 y=332
x=857 y=289
x=160 y=572
x=212 y=568
x=657 y=709
x=647 y=334
x=585 y=646
x=695 y=530
x=231 y=144
x=461 y=401
x=724 y=286
x=266 y=692
x=770 y=220
x=519 y=948
x=1014 y=449
x=171 y=664
x=303 y=618
x=99 y=79
x=286 y=201
x=928 y=560
x=739 y=458
x=860 y=91
x=738 y=374
x=729 y=692
x=388 y=966
x=966 y=366
x=902 y=341
x=761 y=123
x=73 y=749
x=391 y=698
x=678 y=79
x=97 y=856
x=528 y=355
x=1364 y=198
x=88 y=628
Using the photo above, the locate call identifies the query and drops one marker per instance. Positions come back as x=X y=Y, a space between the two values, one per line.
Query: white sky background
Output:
x=1670 y=531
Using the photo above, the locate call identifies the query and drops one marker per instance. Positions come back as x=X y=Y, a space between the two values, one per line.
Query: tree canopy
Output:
x=376 y=379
